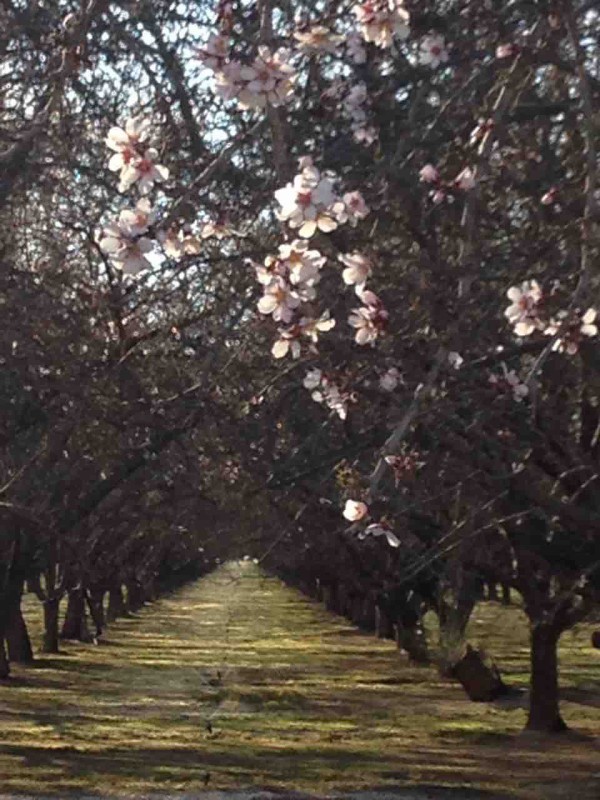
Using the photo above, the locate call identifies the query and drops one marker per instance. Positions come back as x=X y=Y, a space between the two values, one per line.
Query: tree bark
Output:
x=135 y=596
x=544 y=712
x=412 y=639
x=51 y=609
x=116 y=602
x=17 y=638
x=75 y=624
x=95 y=598
x=384 y=625
x=4 y=665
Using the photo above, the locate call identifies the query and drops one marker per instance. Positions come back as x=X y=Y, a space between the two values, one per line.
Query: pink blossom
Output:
x=429 y=174
x=465 y=180
x=550 y=196
x=506 y=50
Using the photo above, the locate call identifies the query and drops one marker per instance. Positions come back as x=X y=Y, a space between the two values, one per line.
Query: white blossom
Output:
x=382 y=20
x=390 y=379
x=355 y=510
x=432 y=51
x=523 y=311
x=145 y=171
x=358 y=268
x=126 y=253
x=307 y=202
x=279 y=300
x=312 y=379
x=370 y=320
x=382 y=529
x=317 y=39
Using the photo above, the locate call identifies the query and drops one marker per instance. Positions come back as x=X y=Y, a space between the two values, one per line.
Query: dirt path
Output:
x=237 y=681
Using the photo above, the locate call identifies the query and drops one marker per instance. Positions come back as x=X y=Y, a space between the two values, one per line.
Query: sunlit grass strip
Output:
x=294 y=698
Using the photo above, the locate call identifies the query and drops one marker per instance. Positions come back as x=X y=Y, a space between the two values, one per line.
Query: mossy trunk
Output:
x=50 y=640
x=17 y=638
x=544 y=712
x=116 y=602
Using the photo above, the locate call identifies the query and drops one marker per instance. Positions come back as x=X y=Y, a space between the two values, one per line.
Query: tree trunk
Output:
x=17 y=639
x=330 y=597
x=505 y=594
x=50 y=642
x=116 y=603
x=544 y=712
x=135 y=598
x=4 y=665
x=481 y=682
x=384 y=625
x=75 y=624
x=492 y=591
x=95 y=598
x=412 y=639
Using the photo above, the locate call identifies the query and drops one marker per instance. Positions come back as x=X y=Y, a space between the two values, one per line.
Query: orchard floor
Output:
x=239 y=682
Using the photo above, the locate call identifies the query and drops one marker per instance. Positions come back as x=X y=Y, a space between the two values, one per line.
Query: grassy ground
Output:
x=295 y=698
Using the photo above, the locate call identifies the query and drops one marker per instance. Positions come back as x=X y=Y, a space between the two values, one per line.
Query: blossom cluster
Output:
x=324 y=390
x=380 y=21
x=268 y=80
x=310 y=203
x=354 y=105
x=124 y=240
x=464 y=181
x=527 y=314
x=317 y=39
x=133 y=159
x=510 y=382
x=356 y=511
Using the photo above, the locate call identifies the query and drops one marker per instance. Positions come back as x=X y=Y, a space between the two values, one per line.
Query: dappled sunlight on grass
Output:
x=242 y=678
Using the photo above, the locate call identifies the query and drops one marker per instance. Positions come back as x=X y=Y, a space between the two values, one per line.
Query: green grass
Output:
x=302 y=702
